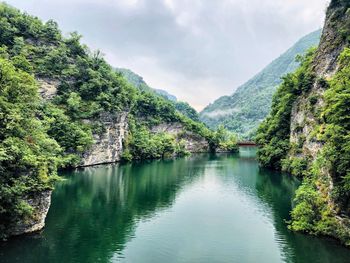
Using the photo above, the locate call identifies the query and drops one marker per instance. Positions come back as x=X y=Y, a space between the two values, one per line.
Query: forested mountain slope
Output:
x=62 y=106
x=138 y=82
x=308 y=131
x=250 y=104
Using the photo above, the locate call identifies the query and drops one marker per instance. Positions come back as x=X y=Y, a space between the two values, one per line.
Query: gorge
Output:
x=136 y=175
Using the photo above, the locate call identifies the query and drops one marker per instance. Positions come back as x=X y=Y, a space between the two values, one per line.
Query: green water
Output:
x=198 y=209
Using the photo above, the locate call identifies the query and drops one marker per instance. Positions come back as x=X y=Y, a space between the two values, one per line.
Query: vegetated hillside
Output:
x=138 y=82
x=166 y=94
x=250 y=104
x=308 y=131
x=87 y=114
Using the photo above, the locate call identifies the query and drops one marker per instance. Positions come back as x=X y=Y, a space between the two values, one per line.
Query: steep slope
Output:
x=138 y=82
x=308 y=130
x=86 y=114
x=166 y=94
x=250 y=104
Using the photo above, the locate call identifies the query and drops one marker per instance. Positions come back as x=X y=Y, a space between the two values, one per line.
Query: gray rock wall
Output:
x=41 y=204
x=194 y=143
x=108 y=146
x=304 y=118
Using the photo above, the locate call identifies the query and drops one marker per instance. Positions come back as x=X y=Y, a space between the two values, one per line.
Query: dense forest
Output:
x=243 y=111
x=39 y=135
x=307 y=132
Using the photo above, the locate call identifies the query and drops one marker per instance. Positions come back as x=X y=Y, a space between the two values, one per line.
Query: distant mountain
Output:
x=139 y=83
x=250 y=104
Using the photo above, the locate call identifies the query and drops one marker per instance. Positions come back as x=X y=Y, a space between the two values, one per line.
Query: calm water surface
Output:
x=199 y=209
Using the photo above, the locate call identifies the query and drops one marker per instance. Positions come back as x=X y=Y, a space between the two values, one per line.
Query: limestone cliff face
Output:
x=48 y=88
x=108 y=146
x=40 y=203
x=194 y=143
x=303 y=120
x=305 y=117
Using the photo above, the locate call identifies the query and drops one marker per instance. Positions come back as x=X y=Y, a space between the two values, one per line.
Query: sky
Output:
x=198 y=50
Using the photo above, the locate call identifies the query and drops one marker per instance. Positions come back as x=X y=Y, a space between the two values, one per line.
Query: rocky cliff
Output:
x=308 y=120
x=40 y=203
x=108 y=146
x=307 y=132
x=194 y=143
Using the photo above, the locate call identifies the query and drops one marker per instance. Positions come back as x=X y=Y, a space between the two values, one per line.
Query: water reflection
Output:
x=94 y=211
x=206 y=208
x=278 y=191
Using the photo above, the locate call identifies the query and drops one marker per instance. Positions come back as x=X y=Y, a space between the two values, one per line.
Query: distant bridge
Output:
x=246 y=143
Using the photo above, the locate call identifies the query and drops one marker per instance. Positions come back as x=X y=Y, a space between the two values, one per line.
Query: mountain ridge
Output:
x=242 y=111
x=138 y=81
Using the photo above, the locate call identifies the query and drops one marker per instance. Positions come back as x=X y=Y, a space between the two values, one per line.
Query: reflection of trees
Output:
x=94 y=212
x=277 y=191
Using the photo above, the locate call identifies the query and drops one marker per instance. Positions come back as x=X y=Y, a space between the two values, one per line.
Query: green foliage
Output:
x=28 y=156
x=336 y=132
x=182 y=107
x=273 y=134
x=242 y=112
x=313 y=99
x=142 y=144
x=87 y=86
x=154 y=109
x=73 y=137
x=223 y=140
x=230 y=144
x=297 y=166
x=134 y=79
x=185 y=109
x=312 y=212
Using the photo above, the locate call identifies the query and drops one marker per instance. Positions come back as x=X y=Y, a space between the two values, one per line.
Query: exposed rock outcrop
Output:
x=48 y=88
x=40 y=203
x=194 y=143
x=305 y=118
x=108 y=146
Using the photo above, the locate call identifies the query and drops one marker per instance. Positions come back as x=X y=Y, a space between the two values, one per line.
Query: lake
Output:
x=203 y=208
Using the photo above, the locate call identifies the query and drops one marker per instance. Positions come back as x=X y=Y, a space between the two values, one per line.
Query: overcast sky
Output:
x=197 y=50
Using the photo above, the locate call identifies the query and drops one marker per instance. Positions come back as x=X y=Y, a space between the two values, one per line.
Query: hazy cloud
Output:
x=196 y=49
